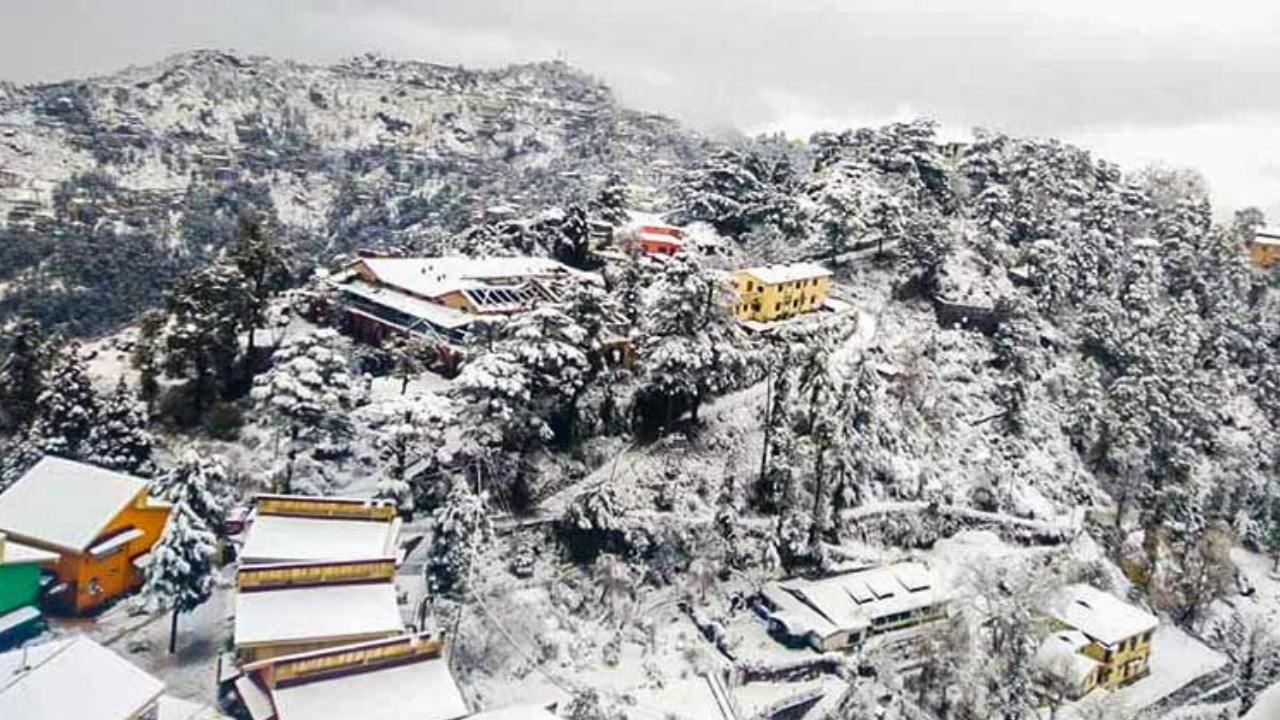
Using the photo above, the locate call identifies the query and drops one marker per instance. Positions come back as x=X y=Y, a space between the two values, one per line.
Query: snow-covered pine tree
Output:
x=145 y=355
x=307 y=394
x=265 y=266
x=462 y=528
x=843 y=195
x=587 y=705
x=24 y=363
x=1252 y=649
x=411 y=429
x=180 y=570
x=553 y=349
x=68 y=408
x=409 y=357
x=610 y=204
x=927 y=243
x=776 y=481
x=202 y=484
x=119 y=439
x=201 y=342
x=735 y=190
x=691 y=345
x=496 y=407
x=17 y=456
x=570 y=238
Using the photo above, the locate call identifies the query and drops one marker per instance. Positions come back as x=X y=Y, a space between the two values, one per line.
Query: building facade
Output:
x=438 y=299
x=656 y=239
x=776 y=292
x=1110 y=639
x=22 y=569
x=100 y=524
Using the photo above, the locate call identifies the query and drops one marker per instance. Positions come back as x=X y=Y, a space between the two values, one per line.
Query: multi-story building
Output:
x=1101 y=641
x=774 y=292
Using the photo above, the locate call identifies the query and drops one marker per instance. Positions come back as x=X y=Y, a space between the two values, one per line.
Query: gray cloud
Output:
x=1097 y=70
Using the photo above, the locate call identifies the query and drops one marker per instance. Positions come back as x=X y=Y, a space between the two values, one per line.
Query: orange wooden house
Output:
x=100 y=523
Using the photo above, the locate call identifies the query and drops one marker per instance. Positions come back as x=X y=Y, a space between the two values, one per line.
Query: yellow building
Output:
x=1264 y=248
x=774 y=292
x=1101 y=642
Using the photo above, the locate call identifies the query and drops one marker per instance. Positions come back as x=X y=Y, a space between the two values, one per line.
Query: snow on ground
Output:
x=1260 y=572
x=1176 y=659
x=190 y=673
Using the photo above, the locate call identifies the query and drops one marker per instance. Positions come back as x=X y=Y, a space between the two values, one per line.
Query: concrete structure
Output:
x=100 y=523
x=1264 y=248
x=398 y=678
x=841 y=612
x=21 y=570
x=774 y=292
x=1112 y=636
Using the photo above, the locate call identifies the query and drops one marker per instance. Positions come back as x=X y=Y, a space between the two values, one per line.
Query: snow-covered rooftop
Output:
x=1060 y=655
x=434 y=277
x=1099 y=615
x=13 y=552
x=322 y=612
x=434 y=313
x=281 y=538
x=106 y=686
x=423 y=690
x=65 y=503
x=854 y=600
x=774 y=274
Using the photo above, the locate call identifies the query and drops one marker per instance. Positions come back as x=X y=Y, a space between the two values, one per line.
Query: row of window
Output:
x=1129 y=644
x=752 y=287
x=796 y=304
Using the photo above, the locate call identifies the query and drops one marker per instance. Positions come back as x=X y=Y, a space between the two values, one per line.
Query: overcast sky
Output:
x=1190 y=82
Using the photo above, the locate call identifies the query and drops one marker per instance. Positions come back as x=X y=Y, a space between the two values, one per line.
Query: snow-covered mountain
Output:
x=364 y=152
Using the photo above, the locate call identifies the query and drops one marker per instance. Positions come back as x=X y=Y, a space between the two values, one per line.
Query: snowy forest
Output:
x=1048 y=352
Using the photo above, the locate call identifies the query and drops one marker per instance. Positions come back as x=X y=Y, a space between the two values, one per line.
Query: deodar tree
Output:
x=307 y=395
